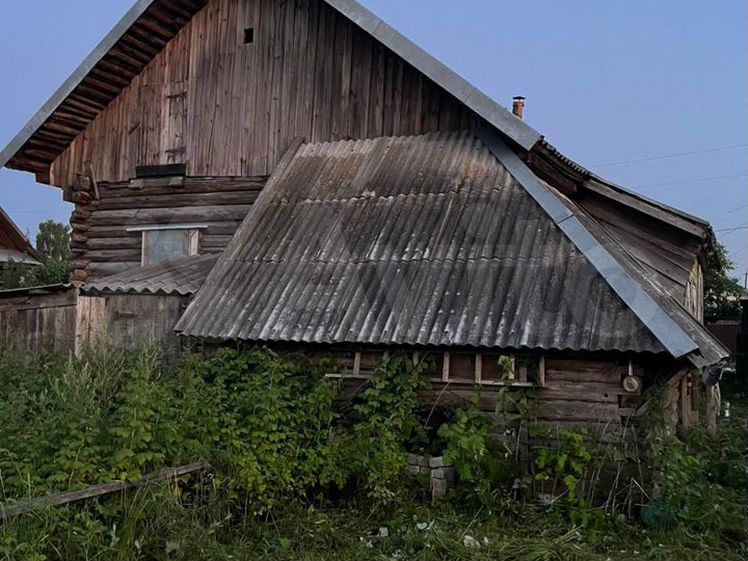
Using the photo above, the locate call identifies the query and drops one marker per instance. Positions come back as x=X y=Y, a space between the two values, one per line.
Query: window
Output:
x=163 y=243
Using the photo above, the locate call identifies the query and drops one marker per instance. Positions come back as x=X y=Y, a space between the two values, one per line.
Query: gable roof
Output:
x=144 y=31
x=440 y=239
x=13 y=244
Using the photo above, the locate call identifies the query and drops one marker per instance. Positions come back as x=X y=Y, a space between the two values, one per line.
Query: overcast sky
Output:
x=605 y=81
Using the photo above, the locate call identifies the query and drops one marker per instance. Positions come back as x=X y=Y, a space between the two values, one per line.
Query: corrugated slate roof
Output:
x=424 y=240
x=182 y=276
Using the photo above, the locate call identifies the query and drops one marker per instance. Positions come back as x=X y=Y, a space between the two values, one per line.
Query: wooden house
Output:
x=365 y=199
x=14 y=246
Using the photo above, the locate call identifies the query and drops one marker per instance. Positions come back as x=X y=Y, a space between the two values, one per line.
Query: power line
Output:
x=667 y=156
x=686 y=181
x=735 y=209
x=732 y=229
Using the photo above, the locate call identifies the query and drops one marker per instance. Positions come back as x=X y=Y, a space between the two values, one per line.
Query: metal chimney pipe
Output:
x=518 y=106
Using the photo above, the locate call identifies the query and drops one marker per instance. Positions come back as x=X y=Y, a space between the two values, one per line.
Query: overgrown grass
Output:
x=297 y=475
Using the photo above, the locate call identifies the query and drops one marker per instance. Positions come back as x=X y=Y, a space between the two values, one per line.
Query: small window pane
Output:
x=161 y=245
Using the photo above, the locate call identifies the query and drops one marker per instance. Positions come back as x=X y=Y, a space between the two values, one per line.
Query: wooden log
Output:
x=169 y=215
x=178 y=200
x=67 y=497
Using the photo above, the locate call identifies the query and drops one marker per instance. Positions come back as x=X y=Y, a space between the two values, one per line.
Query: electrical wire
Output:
x=736 y=228
x=735 y=209
x=668 y=156
x=686 y=181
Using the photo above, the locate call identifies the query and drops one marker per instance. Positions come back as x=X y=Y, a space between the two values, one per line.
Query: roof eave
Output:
x=73 y=81
x=672 y=337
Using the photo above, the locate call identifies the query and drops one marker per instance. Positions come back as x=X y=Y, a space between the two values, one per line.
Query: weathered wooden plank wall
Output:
x=36 y=323
x=137 y=319
x=65 y=321
x=59 y=321
x=231 y=109
x=575 y=390
x=101 y=243
x=668 y=253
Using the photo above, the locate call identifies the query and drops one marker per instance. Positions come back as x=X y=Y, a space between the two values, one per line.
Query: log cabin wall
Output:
x=228 y=106
x=571 y=390
x=101 y=242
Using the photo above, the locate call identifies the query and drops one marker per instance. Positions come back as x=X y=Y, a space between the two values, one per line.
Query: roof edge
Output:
x=693 y=225
x=24 y=244
x=73 y=80
x=672 y=337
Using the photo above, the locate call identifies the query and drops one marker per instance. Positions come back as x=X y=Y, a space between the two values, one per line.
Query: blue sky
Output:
x=605 y=82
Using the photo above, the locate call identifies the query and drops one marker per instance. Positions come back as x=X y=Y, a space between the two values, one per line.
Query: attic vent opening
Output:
x=249 y=35
x=167 y=170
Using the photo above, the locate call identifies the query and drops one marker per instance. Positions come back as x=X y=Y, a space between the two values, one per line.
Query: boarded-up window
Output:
x=163 y=245
x=462 y=367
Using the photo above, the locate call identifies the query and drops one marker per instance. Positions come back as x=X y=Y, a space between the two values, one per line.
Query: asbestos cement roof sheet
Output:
x=425 y=240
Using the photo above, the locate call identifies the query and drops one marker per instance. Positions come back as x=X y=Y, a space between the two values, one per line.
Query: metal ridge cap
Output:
x=465 y=92
x=69 y=85
x=667 y=331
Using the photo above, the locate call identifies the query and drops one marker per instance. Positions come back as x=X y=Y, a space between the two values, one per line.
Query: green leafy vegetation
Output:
x=722 y=291
x=301 y=469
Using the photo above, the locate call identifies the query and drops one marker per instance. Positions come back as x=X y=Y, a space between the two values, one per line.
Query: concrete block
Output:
x=436 y=462
x=446 y=473
x=438 y=489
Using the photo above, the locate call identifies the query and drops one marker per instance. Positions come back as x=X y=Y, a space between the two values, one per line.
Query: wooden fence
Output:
x=53 y=318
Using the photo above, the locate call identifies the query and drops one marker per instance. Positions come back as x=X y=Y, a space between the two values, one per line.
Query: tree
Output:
x=721 y=291
x=53 y=245
x=53 y=241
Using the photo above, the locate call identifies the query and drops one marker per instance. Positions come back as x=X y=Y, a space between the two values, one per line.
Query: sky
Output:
x=610 y=83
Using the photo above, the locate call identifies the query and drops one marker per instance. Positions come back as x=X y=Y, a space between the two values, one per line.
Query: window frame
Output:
x=191 y=230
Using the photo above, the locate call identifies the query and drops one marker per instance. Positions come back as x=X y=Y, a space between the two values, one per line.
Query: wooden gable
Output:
x=243 y=78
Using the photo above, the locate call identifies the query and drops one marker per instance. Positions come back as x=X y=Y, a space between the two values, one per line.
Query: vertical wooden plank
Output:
x=522 y=373
x=376 y=97
x=541 y=371
x=478 y=368
x=360 y=85
x=343 y=86
x=445 y=367
x=685 y=402
x=357 y=363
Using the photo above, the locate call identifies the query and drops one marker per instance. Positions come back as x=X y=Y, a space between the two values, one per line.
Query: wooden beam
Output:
x=445 y=368
x=684 y=402
x=478 y=368
x=541 y=371
x=57 y=499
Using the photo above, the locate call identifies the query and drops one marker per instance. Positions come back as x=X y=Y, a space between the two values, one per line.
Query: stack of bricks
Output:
x=441 y=476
